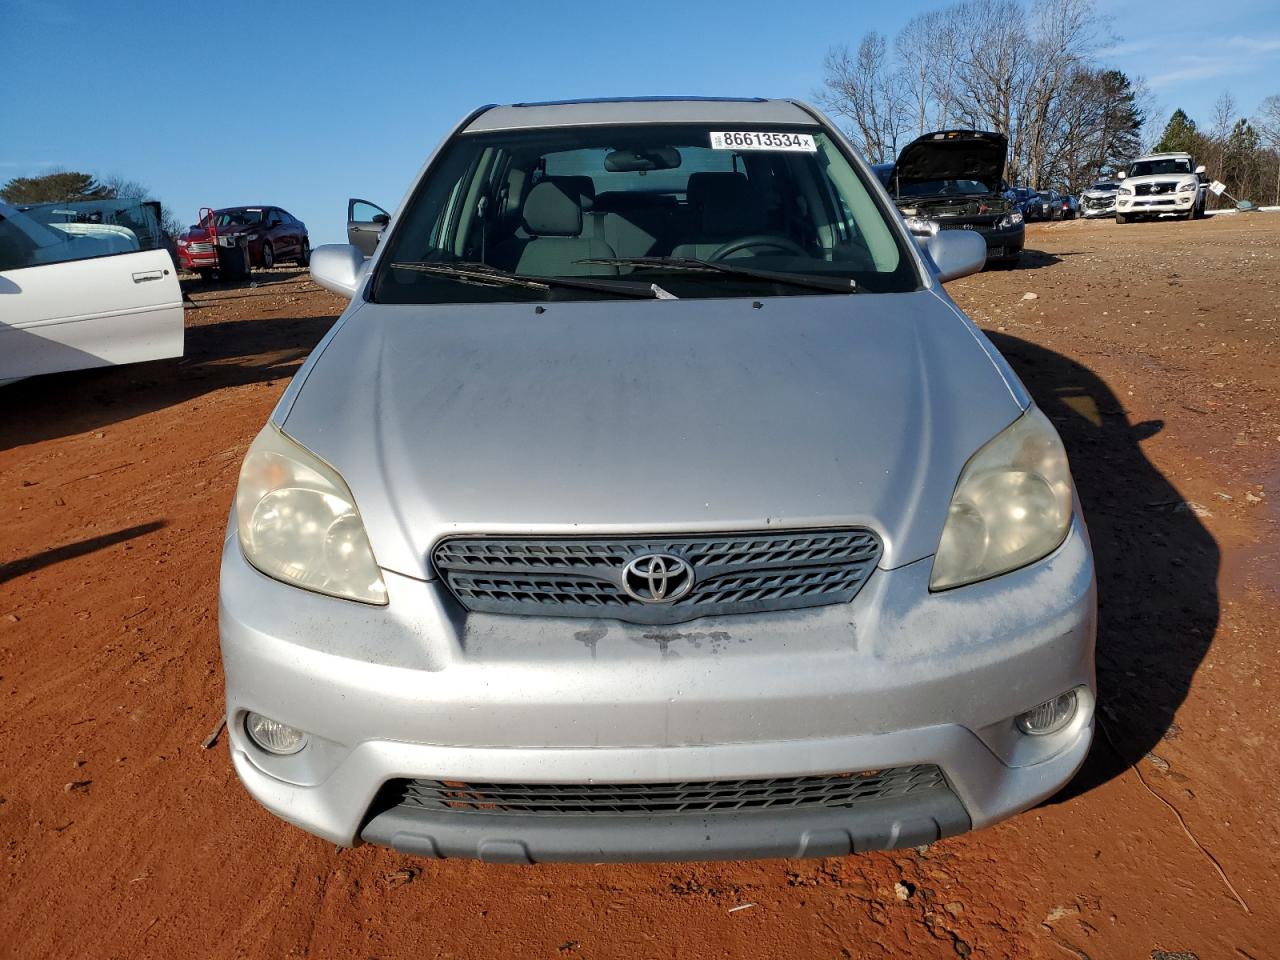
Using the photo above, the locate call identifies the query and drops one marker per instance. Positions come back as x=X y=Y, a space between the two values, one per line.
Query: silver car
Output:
x=652 y=500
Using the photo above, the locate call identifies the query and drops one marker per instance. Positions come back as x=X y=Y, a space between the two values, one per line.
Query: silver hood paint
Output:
x=646 y=416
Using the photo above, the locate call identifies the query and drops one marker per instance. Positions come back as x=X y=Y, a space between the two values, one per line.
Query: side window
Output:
x=48 y=233
x=363 y=212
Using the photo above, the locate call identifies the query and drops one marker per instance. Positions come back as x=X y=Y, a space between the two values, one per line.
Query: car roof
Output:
x=630 y=110
x=1177 y=154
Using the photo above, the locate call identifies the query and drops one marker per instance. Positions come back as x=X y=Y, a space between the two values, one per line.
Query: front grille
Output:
x=200 y=247
x=1154 y=189
x=738 y=573
x=663 y=799
x=986 y=224
x=1099 y=203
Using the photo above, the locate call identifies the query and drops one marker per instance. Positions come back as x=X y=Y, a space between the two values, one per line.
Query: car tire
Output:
x=268 y=255
x=1121 y=218
x=304 y=254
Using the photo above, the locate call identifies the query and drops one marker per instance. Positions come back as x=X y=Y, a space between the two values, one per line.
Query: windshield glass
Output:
x=945 y=188
x=539 y=203
x=1146 y=168
x=237 y=218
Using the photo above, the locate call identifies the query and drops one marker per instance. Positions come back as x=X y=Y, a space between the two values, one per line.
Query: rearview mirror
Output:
x=956 y=253
x=338 y=267
x=1121 y=175
x=632 y=161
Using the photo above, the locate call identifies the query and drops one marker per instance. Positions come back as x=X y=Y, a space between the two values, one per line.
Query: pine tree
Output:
x=62 y=187
x=1180 y=135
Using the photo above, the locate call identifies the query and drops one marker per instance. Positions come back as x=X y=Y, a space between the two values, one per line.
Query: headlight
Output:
x=1188 y=186
x=1125 y=191
x=1011 y=506
x=921 y=227
x=298 y=522
x=251 y=237
x=1009 y=220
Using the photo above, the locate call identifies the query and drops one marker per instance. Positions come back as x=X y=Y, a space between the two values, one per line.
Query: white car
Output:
x=1161 y=183
x=1099 y=200
x=83 y=290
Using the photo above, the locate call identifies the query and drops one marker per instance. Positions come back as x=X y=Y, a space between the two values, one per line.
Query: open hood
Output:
x=953 y=155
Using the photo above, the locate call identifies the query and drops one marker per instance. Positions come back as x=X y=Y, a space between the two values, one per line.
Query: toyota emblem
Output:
x=657 y=578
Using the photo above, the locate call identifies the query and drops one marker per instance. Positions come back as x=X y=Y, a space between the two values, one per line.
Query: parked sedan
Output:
x=658 y=504
x=85 y=285
x=954 y=180
x=270 y=234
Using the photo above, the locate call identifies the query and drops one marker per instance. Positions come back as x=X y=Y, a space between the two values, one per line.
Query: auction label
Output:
x=763 y=140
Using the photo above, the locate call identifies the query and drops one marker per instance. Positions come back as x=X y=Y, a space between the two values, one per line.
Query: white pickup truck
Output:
x=1161 y=183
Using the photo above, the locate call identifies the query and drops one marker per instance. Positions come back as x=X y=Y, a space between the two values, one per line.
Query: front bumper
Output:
x=191 y=260
x=1160 y=203
x=899 y=676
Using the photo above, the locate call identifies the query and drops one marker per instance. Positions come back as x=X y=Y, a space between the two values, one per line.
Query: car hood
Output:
x=649 y=416
x=954 y=155
x=1101 y=194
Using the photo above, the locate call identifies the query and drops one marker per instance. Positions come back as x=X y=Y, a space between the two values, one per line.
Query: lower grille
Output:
x=733 y=574
x=838 y=790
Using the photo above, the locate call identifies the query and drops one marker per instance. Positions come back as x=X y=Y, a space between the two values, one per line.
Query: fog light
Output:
x=1049 y=717
x=274 y=736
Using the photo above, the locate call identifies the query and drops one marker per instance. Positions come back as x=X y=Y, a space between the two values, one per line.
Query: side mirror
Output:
x=1121 y=175
x=1200 y=169
x=956 y=253
x=274 y=223
x=382 y=219
x=338 y=267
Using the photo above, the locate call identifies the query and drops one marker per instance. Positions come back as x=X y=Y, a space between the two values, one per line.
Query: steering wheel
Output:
x=759 y=241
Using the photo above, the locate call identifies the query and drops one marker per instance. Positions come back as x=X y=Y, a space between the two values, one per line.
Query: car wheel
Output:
x=1121 y=218
x=268 y=255
x=304 y=254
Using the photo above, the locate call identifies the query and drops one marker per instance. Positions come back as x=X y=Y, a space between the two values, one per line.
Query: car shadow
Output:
x=217 y=355
x=1034 y=259
x=1157 y=564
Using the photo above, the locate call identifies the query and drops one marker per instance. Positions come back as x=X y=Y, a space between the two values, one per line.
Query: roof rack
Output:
x=562 y=103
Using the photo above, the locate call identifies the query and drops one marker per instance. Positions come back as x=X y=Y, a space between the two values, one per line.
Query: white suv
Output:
x=1161 y=183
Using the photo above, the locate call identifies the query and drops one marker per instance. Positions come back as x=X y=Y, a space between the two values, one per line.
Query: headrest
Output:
x=726 y=204
x=552 y=210
x=582 y=187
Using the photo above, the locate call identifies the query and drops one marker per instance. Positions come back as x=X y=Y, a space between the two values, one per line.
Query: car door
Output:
x=292 y=230
x=78 y=293
x=365 y=223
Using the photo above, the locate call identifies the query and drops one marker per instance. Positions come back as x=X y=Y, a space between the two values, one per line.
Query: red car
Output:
x=270 y=234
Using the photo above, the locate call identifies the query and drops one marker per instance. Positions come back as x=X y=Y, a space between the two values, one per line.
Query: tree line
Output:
x=1241 y=152
x=1026 y=68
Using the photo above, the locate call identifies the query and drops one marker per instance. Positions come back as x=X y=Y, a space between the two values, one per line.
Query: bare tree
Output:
x=861 y=88
x=1267 y=123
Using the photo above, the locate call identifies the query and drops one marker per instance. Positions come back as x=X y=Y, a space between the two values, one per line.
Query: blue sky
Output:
x=304 y=105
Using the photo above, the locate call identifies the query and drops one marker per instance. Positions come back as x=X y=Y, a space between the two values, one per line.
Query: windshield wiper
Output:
x=484 y=275
x=833 y=284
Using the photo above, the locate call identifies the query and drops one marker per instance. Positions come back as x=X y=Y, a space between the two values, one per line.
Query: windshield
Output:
x=945 y=188
x=237 y=218
x=1147 y=168
x=542 y=203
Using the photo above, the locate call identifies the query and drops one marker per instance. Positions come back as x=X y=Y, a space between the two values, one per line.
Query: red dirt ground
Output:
x=1153 y=346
